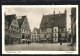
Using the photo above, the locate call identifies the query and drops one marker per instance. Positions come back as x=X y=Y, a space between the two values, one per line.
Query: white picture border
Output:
x=39 y=52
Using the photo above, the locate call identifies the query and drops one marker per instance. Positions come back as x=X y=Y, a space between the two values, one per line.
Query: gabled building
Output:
x=13 y=29
x=35 y=35
x=53 y=27
x=6 y=32
x=24 y=29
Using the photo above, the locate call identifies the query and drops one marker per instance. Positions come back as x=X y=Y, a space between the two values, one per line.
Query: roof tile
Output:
x=53 y=20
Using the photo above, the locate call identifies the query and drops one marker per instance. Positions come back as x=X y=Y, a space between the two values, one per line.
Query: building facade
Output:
x=6 y=32
x=68 y=36
x=53 y=28
x=13 y=29
x=73 y=25
x=35 y=35
x=24 y=29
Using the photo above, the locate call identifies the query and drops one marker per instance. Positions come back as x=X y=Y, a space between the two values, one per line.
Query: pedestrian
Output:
x=60 y=43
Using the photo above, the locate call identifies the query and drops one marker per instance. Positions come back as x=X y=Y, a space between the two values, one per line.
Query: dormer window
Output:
x=14 y=27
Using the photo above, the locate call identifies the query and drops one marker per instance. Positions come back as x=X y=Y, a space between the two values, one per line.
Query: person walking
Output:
x=28 y=42
x=60 y=43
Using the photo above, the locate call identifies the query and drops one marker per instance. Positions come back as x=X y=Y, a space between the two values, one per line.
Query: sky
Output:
x=34 y=14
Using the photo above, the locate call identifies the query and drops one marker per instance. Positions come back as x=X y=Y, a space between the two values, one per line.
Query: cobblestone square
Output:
x=40 y=47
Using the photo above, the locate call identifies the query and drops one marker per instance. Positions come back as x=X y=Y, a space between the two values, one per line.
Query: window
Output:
x=11 y=26
x=55 y=38
x=64 y=29
x=22 y=36
x=55 y=35
x=55 y=30
x=9 y=31
x=15 y=32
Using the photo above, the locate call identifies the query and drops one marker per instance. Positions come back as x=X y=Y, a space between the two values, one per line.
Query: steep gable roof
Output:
x=37 y=30
x=20 y=21
x=59 y=20
x=9 y=18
